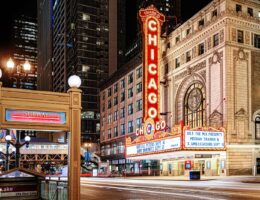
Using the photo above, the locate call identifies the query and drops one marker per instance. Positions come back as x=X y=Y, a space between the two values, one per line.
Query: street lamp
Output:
x=18 y=72
x=17 y=147
x=74 y=81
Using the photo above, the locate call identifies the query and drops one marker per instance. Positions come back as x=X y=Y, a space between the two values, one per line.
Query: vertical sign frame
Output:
x=151 y=20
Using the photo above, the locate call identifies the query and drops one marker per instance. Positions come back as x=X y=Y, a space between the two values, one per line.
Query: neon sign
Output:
x=152 y=21
x=35 y=116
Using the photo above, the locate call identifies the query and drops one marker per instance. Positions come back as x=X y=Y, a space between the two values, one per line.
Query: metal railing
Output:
x=54 y=189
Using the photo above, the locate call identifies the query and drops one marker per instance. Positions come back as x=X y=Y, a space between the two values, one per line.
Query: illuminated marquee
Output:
x=152 y=21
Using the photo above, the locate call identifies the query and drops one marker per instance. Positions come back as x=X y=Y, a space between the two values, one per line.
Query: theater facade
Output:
x=206 y=112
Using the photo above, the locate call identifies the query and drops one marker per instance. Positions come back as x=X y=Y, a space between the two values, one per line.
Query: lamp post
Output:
x=18 y=72
x=17 y=147
x=6 y=154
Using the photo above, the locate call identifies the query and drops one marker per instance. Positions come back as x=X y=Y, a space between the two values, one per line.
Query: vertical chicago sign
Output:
x=151 y=20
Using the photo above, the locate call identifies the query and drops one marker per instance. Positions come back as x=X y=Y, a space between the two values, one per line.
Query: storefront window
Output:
x=102 y=150
x=194 y=105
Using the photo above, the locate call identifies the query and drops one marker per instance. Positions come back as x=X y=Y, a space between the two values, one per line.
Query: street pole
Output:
x=6 y=157
x=17 y=150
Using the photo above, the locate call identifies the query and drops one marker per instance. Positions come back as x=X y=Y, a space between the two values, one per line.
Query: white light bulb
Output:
x=74 y=81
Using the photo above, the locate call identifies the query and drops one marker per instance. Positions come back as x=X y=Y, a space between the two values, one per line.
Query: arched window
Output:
x=257 y=127
x=194 y=106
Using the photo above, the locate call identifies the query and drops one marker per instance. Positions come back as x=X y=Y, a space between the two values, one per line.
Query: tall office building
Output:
x=117 y=34
x=80 y=45
x=25 y=48
x=44 y=45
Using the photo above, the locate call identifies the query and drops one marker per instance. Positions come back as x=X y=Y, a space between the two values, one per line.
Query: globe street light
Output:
x=17 y=147
x=74 y=81
x=18 y=72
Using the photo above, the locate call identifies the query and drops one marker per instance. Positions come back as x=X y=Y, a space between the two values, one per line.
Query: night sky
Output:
x=13 y=8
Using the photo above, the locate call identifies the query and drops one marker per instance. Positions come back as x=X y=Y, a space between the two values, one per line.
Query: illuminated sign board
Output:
x=152 y=21
x=204 y=140
x=158 y=146
x=35 y=116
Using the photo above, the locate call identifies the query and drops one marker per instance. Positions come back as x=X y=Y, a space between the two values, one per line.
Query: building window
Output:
x=177 y=39
x=115 y=88
x=109 y=92
x=115 y=115
x=238 y=8
x=85 y=17
x=122 y=112
x=240 y=36
x=257 y=127
x=166 y=69
x=130 y=127
x=188 y=56
x=139 y=87
x=85 y=68
x=122 y=83
x=257 y=41
x=214 y=13
x=122 y=96
x=250 y=12
x=130 y=92
x=258 y=14
x=115 y=131
x=109 y=135
x=188 y=31
x=139 y=105
x=194 y=106
x=130 y=109
x=201 y=23
x=215 y=40
x=122 y=129
x=109 y=119
x=115 y=100
x=177 y=62
x=201 y=48
x=109 y=104
x=168 y=45
x=139 y=122
x=139 y=72
x=130 y=78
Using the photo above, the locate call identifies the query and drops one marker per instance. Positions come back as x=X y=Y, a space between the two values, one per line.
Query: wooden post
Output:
x=74 y=144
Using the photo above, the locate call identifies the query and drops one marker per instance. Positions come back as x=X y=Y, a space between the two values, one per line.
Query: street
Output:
x=152 y=189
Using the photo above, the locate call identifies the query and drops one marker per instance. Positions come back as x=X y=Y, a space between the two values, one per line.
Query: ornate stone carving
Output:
x=233 y=34
x=216 y=58
x=240 y=54
x=209 y=43
x=221 y=36
x=190 y=70
x=247 y=37
x=241 y=114
x=216 y=119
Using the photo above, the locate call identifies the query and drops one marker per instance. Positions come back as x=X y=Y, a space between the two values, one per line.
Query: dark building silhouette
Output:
x=44 y=45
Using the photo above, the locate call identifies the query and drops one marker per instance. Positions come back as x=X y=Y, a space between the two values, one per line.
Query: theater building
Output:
x=209 y=96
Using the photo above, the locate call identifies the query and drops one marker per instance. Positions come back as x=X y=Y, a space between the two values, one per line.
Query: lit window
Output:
x=85 y=17
x=85 y=68
x=194 y=106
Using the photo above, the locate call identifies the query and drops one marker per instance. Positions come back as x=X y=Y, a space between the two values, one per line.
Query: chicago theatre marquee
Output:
x=201 y=107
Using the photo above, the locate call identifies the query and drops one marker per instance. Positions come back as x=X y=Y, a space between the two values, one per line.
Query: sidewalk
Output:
x=244 y=179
